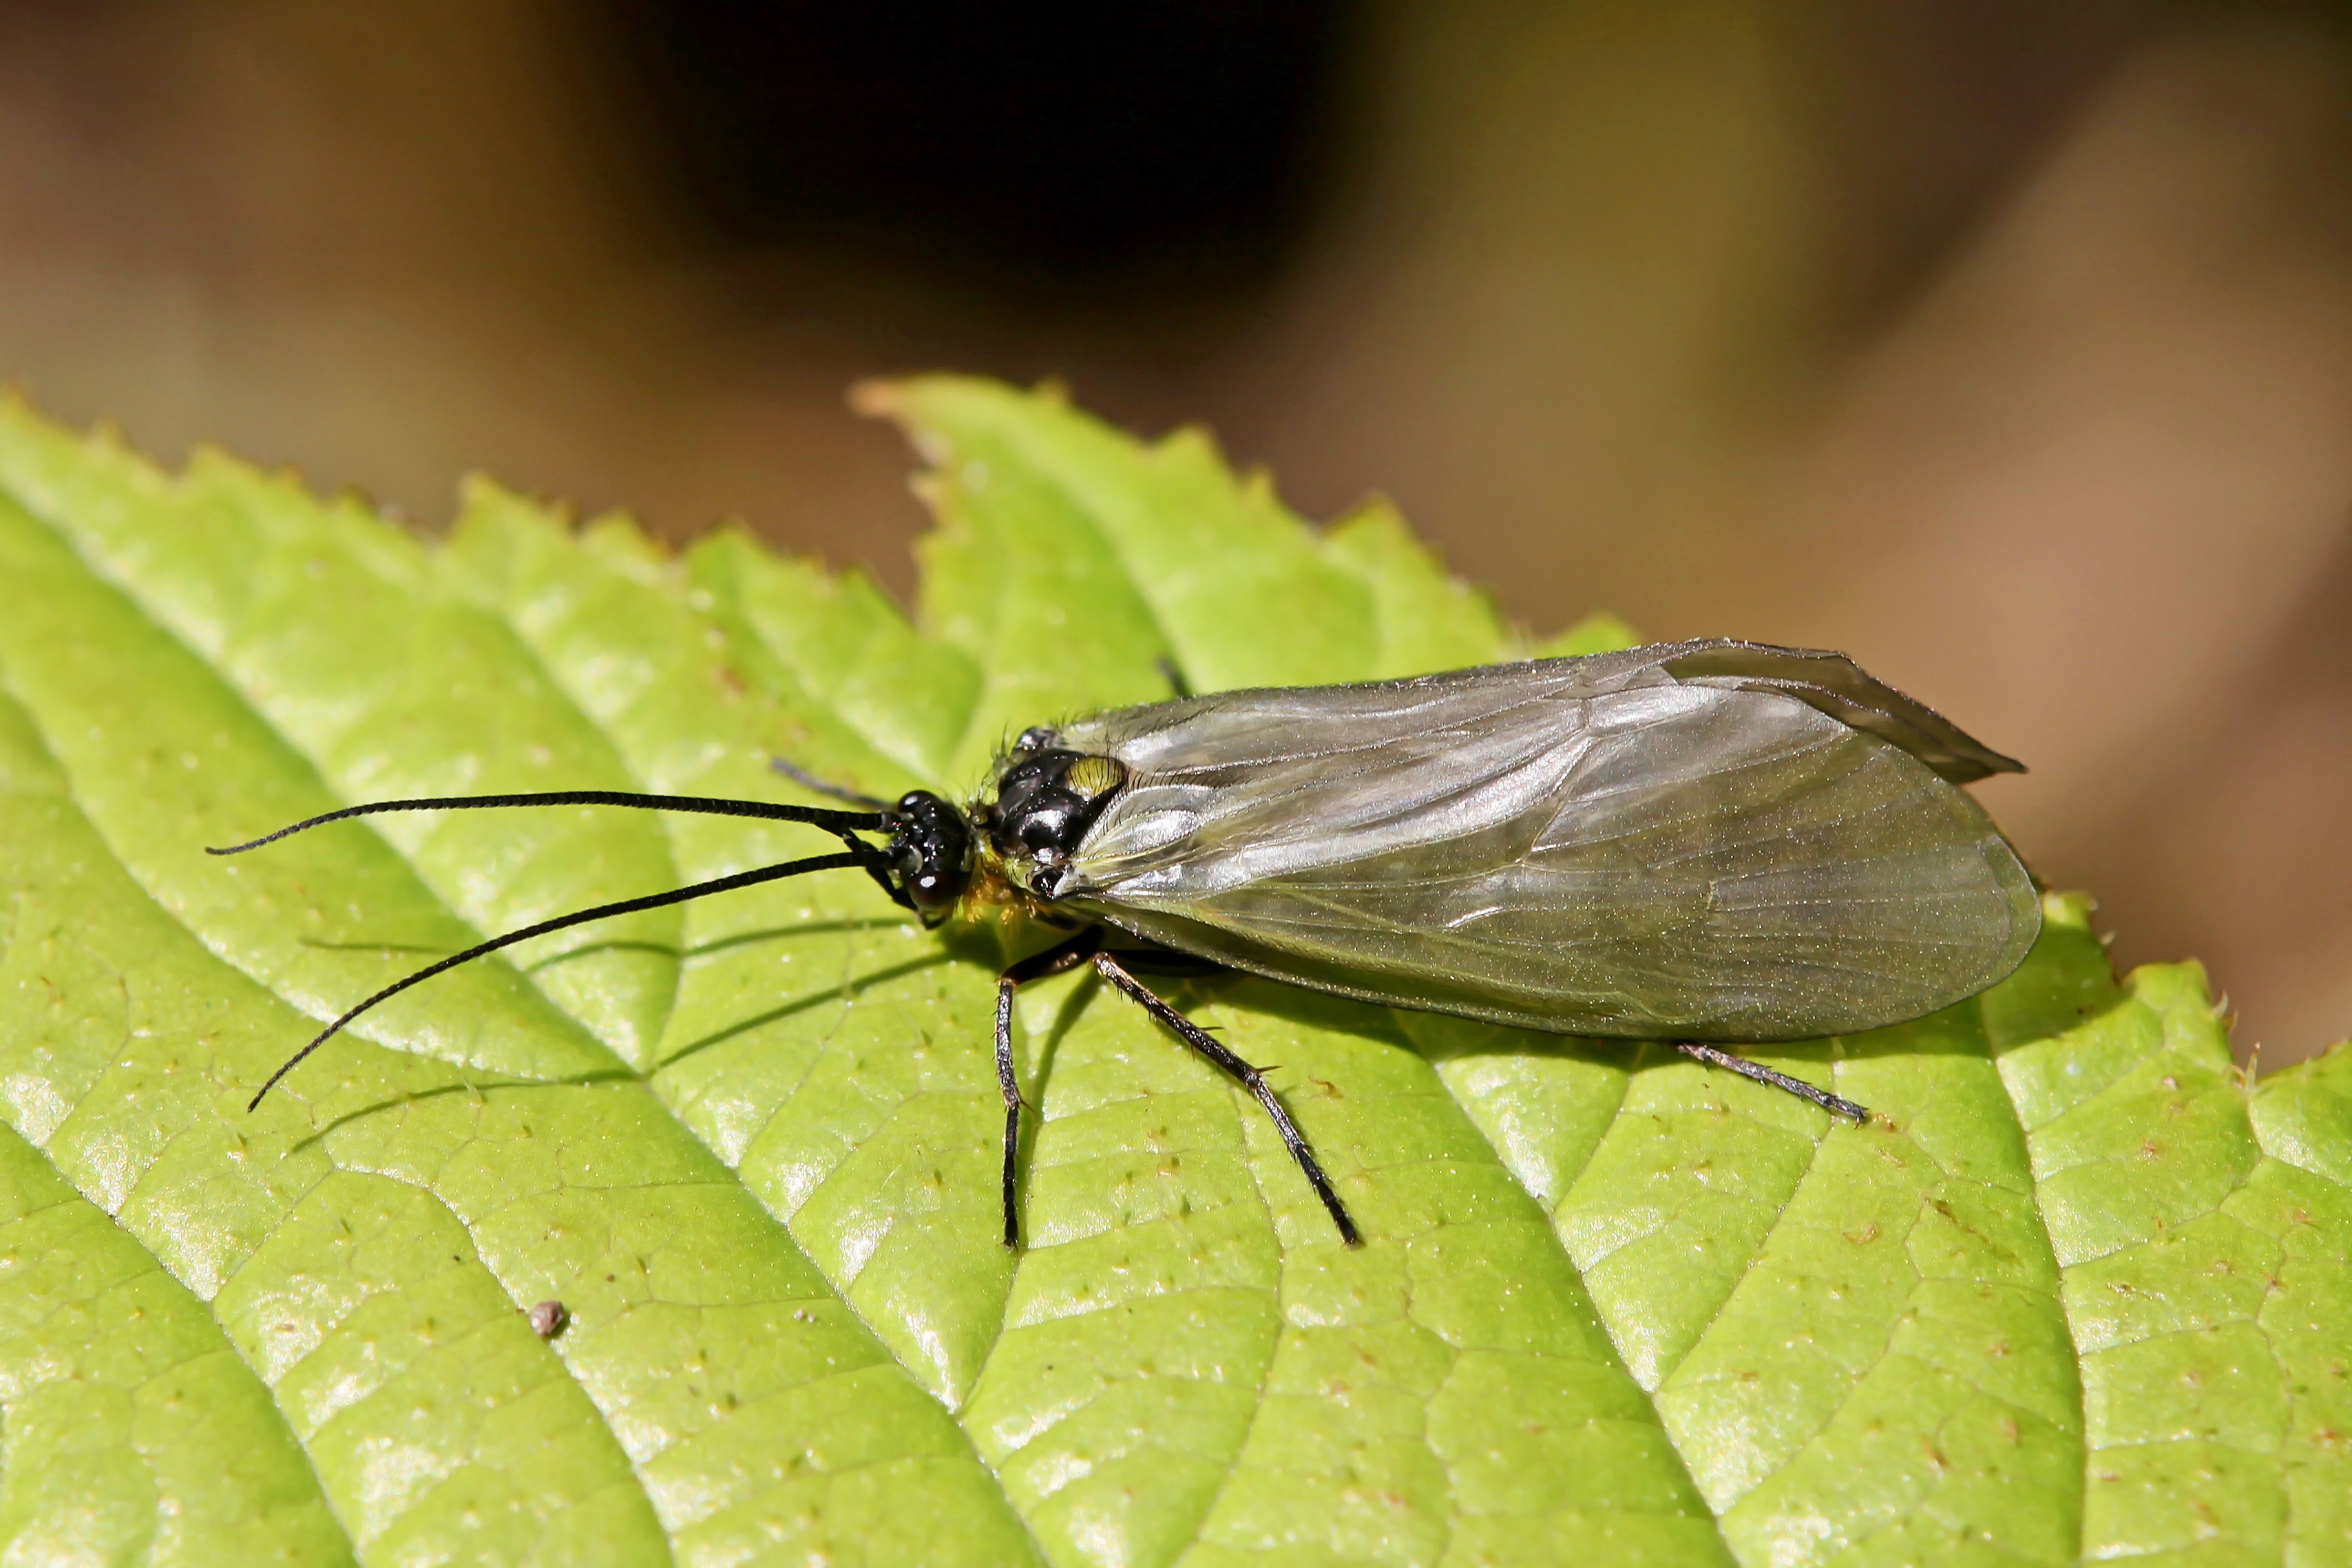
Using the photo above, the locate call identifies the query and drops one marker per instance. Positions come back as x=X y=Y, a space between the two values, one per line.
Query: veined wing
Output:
x=1707 y=841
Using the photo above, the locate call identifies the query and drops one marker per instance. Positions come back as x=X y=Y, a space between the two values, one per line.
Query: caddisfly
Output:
x=1707 y=844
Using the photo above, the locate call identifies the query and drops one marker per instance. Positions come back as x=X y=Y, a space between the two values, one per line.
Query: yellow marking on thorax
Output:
x=1092 y=776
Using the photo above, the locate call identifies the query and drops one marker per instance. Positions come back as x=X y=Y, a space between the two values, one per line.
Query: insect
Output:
x=1706 y=843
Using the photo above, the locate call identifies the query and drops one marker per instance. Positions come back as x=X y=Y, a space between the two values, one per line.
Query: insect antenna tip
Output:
x=251 y=844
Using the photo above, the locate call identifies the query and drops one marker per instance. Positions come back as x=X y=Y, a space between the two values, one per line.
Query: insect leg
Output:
x=876 y=865
x=1248 y=1077
x=1052 y=961
x=1828 y=1101
x=1168 y=962
x=1173 y=676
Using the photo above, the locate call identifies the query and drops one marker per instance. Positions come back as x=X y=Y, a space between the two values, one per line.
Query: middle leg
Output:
x=1242 y=1073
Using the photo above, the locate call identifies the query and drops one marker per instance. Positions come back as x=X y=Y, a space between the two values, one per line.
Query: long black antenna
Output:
x=579 y=918
x=842 y=822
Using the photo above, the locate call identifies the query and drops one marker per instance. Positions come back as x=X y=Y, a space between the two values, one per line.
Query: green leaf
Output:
x=2079 y=1294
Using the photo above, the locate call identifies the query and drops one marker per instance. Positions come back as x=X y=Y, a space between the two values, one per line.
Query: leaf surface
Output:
x=2076 y=1293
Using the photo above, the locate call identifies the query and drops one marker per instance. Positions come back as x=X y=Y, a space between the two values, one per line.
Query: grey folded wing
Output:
x=1704 y=840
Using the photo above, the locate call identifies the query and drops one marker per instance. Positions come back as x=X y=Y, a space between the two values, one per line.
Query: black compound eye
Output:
x=930 y=850
x=1037 y=738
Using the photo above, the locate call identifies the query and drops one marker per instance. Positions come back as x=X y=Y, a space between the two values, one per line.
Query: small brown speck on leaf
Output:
x=547 y=1318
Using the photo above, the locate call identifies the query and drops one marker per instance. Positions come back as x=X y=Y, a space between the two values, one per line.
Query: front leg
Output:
x=1052 y=961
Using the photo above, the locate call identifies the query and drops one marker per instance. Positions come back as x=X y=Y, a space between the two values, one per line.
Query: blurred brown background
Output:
x=2006 y=344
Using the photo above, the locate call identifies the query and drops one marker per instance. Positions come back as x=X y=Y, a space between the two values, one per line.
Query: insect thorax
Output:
x=1045 y=799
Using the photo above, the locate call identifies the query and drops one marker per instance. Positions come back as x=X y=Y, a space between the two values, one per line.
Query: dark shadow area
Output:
x=591 y=948
x=1041 y=142
x=415 y=949
x=784 y=933
x=320 y=1134
x=537 y=966
x=1294 y=1004
x=1065 y=1019
x=801 y=1004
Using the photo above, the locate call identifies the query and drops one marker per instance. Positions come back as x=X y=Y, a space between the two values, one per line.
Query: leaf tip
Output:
x=2069 y=911
x=875 y=397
